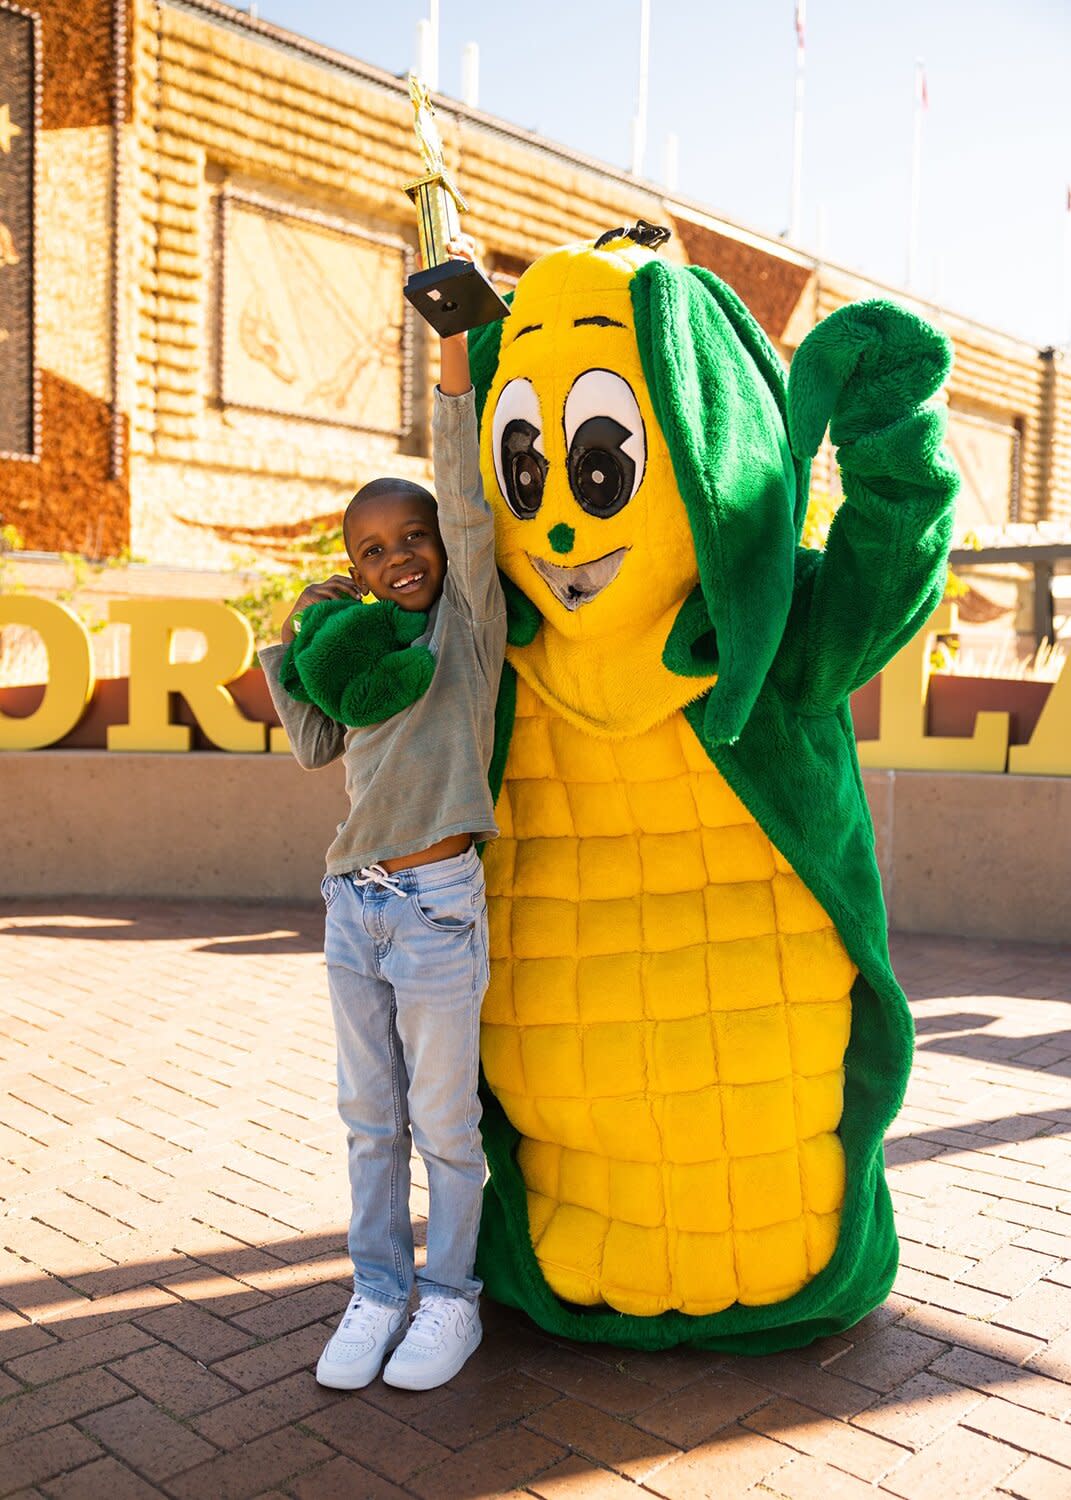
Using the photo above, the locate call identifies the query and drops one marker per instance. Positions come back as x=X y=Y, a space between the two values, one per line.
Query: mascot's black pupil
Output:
x=601 y=475
x=524 y=470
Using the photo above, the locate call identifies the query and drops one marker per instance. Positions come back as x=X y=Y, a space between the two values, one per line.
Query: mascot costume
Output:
x=693 y=1042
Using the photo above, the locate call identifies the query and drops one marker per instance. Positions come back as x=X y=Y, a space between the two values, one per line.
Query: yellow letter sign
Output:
x=902 y=743
x=70 y=672
x=1049 y=750
x=153 y=675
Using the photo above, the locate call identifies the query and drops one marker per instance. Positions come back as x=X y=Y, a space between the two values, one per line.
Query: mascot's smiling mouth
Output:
x=580 y=585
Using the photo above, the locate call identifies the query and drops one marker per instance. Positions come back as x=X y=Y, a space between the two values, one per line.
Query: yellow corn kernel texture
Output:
x=666 y=1025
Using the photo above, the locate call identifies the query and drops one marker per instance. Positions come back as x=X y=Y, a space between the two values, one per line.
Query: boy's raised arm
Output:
x=465 y=518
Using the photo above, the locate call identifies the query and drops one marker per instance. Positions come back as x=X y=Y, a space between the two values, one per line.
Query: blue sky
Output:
x=995 y=239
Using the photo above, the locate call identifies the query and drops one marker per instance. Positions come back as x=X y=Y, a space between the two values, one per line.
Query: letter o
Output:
x=70 y=672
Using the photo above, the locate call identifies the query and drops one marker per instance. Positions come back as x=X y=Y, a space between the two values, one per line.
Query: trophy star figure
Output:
x=428 y=138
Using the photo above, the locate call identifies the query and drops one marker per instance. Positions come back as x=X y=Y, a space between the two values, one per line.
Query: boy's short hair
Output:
x=375 y=489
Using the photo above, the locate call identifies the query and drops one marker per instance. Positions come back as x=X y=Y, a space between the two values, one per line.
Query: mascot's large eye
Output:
x=606 y=442
x=517 y=440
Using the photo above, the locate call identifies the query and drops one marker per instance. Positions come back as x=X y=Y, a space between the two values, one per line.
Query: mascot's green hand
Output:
x=865 y=369
x=358 y=662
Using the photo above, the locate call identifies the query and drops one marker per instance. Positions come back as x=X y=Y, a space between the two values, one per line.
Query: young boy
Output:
x=406 y=925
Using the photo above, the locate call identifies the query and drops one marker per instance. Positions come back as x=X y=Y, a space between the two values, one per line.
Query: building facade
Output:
x=203 y=241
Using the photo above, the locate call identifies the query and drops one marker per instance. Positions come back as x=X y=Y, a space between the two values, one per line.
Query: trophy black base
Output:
x=454 y=297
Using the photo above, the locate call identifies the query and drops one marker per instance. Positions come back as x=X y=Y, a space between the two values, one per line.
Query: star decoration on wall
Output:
x=8 y=129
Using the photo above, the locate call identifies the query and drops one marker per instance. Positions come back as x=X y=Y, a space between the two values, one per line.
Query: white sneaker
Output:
x=356 y=1350
x=442 y=1335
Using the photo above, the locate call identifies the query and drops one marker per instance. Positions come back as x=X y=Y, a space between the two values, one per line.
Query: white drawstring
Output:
x=378 y=876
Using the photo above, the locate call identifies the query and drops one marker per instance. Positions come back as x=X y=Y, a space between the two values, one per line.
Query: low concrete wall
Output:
x=985 y=856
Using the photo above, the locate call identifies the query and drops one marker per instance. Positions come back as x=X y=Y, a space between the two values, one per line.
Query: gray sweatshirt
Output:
x=422 y=775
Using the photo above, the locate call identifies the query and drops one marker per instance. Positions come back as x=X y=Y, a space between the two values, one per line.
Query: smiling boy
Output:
x=406 y=923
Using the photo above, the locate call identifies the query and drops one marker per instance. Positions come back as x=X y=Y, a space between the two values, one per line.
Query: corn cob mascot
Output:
x=693 y=1042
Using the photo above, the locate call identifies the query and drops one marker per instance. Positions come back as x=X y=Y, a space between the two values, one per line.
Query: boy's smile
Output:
x=396 y=550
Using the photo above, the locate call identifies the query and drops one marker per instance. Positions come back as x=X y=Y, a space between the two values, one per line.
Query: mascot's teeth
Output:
x=580 y=585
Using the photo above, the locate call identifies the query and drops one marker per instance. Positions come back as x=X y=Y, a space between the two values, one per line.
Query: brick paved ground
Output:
x=172 y=1257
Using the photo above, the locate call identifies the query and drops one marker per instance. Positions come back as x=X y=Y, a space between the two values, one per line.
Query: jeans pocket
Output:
x=450 y=909
x=329 y=888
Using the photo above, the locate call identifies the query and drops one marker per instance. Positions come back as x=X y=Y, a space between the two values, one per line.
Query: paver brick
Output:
x=889 y=1358
x=972 y=1333
x=266 y=1363
x=139 y=1434
x=842 y=1445
x=607 y=1440
x=260 y=1464
x=51 y=1404
x=730 y=1463
x=19 y=1337
x=1011 y=1382
x=919 y=1411
x=215 y=1293
x=492 y=1466
x=376 y=1440
x=1009 y=1271
x=577 y=1477
x=812 y=1385
x=1037 y=1479
x=310 y=1305
x=172 y=1380
x=464 y=1418
x=589 y=1380
x=960 y=1465
x=807 y=1479
x=1027 y=1430
x=691 y=1415
x=195 y=1332
x=39 y=1456
x=83 y=1353
x=246 y=1417
x=342 y=1479
x=1044 y=1310
x=104 y=1479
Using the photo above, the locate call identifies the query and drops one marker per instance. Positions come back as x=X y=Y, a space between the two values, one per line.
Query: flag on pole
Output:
x=801 y=24
x=923 y=92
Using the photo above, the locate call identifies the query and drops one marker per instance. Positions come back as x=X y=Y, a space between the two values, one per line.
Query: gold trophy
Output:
x=452 y=295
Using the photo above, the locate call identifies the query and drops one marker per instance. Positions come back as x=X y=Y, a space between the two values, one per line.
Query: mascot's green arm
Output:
x=869 y=371
x=358 y=662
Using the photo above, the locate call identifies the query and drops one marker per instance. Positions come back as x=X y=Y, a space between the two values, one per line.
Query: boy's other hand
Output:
x=336 y=587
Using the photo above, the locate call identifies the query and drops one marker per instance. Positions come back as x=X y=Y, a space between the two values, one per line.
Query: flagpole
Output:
x=1066 y=319
x=433 y=46
x=639 y=119
x=797 y=125
x=921 y=104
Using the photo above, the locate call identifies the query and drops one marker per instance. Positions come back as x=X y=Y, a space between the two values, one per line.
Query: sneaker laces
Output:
x=361 y=1320
x=429 y=1320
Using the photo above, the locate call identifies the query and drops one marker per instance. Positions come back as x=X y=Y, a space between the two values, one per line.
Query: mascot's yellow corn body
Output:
x=665 y=1026
x=669 y=1005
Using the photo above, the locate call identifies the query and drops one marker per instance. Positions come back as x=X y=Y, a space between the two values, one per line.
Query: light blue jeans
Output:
x=407 y=970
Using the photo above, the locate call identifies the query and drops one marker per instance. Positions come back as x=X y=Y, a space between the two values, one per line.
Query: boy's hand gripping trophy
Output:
x=452 y=295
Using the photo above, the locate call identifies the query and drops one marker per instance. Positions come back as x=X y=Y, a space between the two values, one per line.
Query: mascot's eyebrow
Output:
x=531 y=328
x=598 y=321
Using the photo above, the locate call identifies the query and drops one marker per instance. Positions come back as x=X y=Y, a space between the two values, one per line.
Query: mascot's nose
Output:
x=561 y=538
